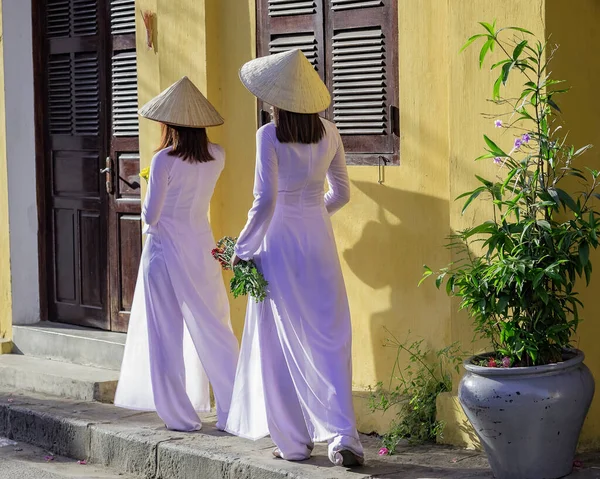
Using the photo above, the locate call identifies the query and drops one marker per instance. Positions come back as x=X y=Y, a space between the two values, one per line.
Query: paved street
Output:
x=22 y=461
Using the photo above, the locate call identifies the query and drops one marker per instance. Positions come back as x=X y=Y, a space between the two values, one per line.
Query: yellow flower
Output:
x=145 y=173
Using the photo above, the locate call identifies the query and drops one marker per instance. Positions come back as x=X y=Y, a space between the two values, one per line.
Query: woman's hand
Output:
x=234 y=260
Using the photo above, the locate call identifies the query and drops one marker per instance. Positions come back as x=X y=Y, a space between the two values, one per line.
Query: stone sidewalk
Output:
x=137 y=443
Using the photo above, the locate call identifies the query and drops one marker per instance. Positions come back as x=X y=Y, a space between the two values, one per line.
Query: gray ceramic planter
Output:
x=528 y=419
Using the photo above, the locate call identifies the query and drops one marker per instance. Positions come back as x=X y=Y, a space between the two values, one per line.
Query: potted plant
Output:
x=516 y=273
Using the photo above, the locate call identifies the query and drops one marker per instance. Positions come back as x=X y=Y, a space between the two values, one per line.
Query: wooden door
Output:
x=125 y=243
x=76 y=92
x=76 y=213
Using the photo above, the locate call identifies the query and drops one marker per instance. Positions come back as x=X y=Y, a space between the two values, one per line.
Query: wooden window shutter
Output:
x=86 y=93
x=74 y=93
x=74 y=105
x=125 y=122
x=362 y=74
x=59 y=95
x=71 y=18
x=124 y=94
x=353 y=46
x=287 y=24
x=122 y=17
x=58 y=19
x=84 y=17
x=283 y=25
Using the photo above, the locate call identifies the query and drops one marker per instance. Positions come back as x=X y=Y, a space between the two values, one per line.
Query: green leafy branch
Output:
x=413 y=389
x=520 y=291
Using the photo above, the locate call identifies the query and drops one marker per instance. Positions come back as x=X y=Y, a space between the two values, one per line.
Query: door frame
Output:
x=41 y=148
x=43 y=154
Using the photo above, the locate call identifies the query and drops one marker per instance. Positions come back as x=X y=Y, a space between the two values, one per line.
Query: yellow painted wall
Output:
x=233 y=196
x=575 y=30
x=148 y=80
x=469 y=91
x=389 y=231
x=5 y=281
x=469 y=88
x=577 y=61
x=380 y=233
x=184 y=33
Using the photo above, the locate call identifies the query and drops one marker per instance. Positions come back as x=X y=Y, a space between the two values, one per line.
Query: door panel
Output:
x=125 y=227
x=76 y=202
x=92 y=268
x=130 y=252
x=88 y=78
x=76 y=174
x=79 y=282
x=64 y=246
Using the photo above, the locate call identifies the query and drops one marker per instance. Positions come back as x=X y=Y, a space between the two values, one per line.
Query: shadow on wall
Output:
x=409 y=230
x=576 y=32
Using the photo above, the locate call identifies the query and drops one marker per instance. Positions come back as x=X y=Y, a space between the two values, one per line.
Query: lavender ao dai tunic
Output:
x=179 y=325
x=294 y=377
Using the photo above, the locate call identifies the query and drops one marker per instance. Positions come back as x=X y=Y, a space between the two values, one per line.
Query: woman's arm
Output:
x=265 y=197
x=157 y=189
x=337 y=178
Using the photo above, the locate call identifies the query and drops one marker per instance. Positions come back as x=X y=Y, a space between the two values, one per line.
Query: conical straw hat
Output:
x=182 y=104
x=288 y=81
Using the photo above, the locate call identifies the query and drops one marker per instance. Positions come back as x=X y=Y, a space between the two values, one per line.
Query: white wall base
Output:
x=20 y=152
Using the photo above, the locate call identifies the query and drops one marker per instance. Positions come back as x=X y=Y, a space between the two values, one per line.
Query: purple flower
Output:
x=526 y=138
x=498 y=123
x=498 y=160
x=518 y=143
x=506 y=362
x=383 y=451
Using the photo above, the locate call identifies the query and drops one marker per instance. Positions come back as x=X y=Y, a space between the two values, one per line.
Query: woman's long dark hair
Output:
x=189 y=144
x=298 y=127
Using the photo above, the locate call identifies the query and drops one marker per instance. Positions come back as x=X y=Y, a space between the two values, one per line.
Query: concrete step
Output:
x=82 y=383
x=70 y=344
